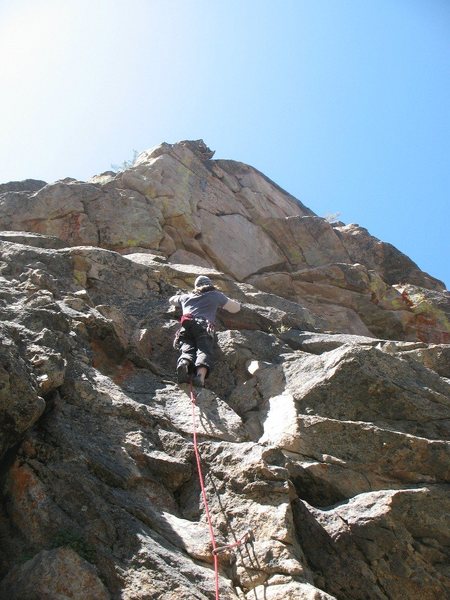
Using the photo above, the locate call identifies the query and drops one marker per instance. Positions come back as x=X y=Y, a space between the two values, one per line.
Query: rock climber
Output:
x=195 y=338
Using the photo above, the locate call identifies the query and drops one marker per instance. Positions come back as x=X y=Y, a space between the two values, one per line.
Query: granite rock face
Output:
x=178 y=202
x=324 y=430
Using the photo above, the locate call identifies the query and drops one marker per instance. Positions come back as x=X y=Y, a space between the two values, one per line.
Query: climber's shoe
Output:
x=197 y=381
x=183 y=374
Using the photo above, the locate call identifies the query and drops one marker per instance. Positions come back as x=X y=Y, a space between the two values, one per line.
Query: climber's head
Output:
x=203 y=284
x=202 y=280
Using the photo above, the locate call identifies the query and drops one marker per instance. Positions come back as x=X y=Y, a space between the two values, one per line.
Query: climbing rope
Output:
x=247 y=537
x=205 y=500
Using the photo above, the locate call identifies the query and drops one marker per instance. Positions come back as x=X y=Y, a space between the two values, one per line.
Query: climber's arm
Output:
x=232 y=306
x=175 y=300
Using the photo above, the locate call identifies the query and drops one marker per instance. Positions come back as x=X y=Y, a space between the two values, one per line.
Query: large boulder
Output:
x=380 y=544
x=54 y=574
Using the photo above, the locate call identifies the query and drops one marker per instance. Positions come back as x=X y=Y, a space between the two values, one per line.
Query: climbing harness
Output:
x=207 y=325
x=247 y=538
x=205 y=499
x=176 y=341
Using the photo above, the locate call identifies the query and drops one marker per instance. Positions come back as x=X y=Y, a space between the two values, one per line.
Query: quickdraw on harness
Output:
x=216 y=550
x=188 y=317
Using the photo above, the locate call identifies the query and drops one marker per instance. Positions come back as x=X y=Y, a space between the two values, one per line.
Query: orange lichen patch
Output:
x=406 y=299
x=430 y=329
x=28 y=504
x=119 y=371
x=37 y=226
x=431 y=323
x=123 y=372
x=101 y=360
x=67 y=227
x=30 y=507
x=72 y=225
x=24 y=486
x=20 y=478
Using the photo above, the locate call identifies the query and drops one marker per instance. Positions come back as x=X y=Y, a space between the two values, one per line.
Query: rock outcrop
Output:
x=324 y=428
x=178 y=202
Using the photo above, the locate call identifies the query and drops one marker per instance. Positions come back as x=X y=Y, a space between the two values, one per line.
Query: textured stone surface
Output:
x=324 y=429
x=179 y=202
x=358 y=546
x=54 y=574
x=384 y=258
x=28 y=185
x=20 y=402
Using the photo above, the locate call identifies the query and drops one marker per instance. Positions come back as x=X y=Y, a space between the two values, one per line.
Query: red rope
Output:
x=205 y=500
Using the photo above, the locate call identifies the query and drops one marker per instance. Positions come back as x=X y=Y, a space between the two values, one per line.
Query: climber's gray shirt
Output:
x=204 y=305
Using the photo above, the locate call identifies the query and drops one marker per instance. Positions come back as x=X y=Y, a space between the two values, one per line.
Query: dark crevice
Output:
x=319 y=494
x=7 y=461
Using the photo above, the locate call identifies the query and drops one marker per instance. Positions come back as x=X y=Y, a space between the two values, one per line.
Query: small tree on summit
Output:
x=127 y=164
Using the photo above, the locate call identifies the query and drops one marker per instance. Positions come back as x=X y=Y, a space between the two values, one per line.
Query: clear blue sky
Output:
x=344 y=103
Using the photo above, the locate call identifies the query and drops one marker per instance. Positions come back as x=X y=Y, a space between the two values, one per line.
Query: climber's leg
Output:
x=186 y=360
x=204 y=356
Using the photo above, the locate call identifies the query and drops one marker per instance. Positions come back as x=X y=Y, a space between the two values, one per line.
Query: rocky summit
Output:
x=323 y=433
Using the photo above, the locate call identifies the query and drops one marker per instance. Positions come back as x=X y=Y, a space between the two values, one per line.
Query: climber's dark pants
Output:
x=196 y=344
